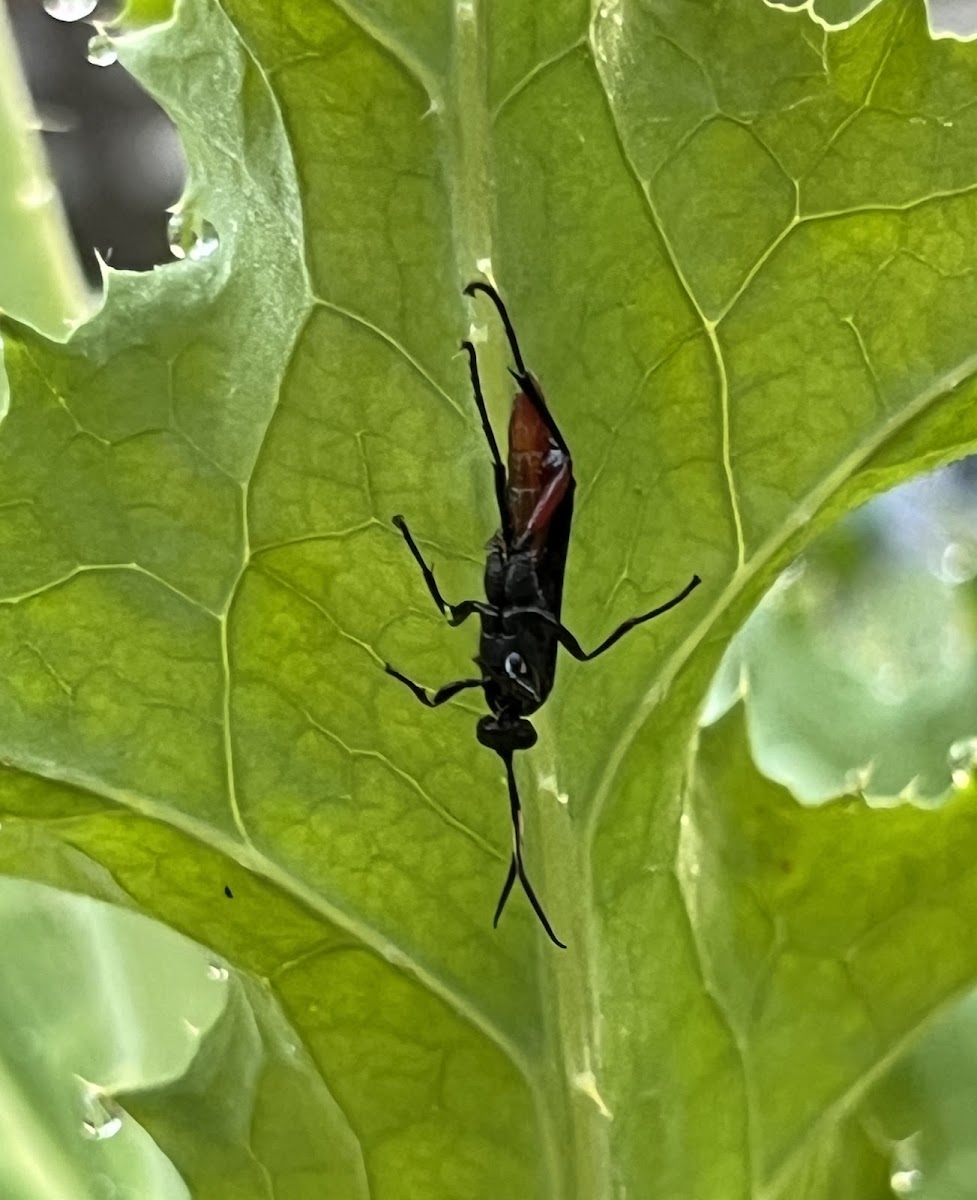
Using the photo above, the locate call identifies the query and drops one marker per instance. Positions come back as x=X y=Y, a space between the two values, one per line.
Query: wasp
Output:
x=521 y=629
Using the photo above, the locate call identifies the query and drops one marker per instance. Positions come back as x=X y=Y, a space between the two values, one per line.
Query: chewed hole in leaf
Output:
x=115 y=154
x=947 y=18
x=952 y=18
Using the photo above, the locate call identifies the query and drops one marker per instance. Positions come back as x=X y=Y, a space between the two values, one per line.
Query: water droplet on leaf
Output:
x=102 y=1116
x=69 y=10
x=102 y=51
x=218 y=973
x=904 y=1183
x=962 y=757
x=958 y=563
x=107 y=1129
x=857 y=779
x=36 y=192
x=189 y=238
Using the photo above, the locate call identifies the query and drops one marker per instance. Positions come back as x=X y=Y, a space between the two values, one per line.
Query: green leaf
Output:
x=846 y=911
x=300 y=1138
x=857 y=669
x=923 y=1108
x=84 y=983
x=737 y=251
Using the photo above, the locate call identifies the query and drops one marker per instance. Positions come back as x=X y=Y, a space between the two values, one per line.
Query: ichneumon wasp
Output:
x=520 y=616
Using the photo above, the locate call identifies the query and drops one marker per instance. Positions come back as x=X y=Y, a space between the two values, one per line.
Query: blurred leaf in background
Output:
x=858 y=667
x=94 y=1001
x=925 y=1109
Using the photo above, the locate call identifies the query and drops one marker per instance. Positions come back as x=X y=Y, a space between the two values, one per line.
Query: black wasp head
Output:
x=505 y=735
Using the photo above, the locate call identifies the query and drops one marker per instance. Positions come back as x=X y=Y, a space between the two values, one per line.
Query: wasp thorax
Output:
x=495 y=575
x=517 y=669
x=522 y=583
x=505 y=736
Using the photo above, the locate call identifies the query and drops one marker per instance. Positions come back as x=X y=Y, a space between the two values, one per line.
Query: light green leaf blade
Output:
x=300 y=1136
x=87 y=1007
x=923 y=1107
x=857 y=668
x=845 y=914
x=738 y=263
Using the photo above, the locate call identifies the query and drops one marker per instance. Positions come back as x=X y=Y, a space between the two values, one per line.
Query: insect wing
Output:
x=539 y=492
x=540 y=474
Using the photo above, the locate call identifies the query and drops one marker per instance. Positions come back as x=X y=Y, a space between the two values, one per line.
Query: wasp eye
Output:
x=514 y=665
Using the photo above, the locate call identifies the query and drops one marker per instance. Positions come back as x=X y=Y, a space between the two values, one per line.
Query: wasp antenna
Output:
x=493 y=295
x=527 y=887
x=516 y=867
x=510 y=879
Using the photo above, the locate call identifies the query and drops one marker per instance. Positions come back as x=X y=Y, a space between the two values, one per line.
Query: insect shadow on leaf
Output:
x=524 y=570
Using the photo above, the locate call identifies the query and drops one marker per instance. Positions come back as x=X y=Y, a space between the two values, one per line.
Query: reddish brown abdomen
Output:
x=529 y=443
x=539 y=471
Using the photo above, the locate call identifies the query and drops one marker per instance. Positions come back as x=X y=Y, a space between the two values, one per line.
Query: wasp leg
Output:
x=570 y=643
x=510 y=879
x=516 y=867
x=455 y=613
x=498 y=468
x=467 y=608
x=442 y=695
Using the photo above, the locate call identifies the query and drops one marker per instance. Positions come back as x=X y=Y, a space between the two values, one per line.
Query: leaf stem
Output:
x=471 y=137
x=572 y=1022
x=572 y=1118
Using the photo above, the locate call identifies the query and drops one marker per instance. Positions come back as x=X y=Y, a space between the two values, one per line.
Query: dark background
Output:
x=115 y=154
